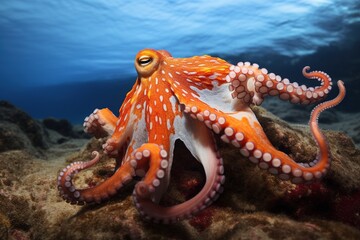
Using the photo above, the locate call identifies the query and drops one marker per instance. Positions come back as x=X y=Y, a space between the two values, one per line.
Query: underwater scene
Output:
x=179 y=119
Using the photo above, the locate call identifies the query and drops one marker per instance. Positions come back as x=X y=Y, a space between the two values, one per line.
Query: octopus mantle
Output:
x=190 y=99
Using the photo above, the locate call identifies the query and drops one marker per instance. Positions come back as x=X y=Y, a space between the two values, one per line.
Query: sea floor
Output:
x=254 y=204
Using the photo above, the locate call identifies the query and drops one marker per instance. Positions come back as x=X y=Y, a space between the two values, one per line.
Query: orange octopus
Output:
x=190 y=99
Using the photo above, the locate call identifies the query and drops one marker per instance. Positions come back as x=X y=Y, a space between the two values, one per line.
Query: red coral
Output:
x=91 y=183
x=19 y=235
x=316 y=198
x=347 y=209
x=314 y=191
x=308 y=199
x=203 y=220
x=189 y=186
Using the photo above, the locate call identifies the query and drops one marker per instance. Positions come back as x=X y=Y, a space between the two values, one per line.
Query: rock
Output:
x=12 y=137
x=4 y=226
x=61 y=126
x=19 y=131
x=24 y=131
x=65 y=128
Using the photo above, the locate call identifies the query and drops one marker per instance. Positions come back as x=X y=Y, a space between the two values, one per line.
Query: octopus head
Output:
x=147 y=61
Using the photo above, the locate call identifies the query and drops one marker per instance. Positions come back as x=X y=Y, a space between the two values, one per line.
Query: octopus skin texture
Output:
x=190 y=99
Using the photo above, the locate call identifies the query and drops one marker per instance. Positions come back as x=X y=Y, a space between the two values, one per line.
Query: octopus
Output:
x=191 y=100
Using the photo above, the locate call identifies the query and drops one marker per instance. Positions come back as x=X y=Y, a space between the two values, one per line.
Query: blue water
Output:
x=64 y=58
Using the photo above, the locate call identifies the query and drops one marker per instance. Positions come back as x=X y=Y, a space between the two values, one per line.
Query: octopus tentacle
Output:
x=314 y=127
x=100 y=123
x=251 y=85
x=104 y=190
x=152 y=159
x=244 y=131
x=123 y=125
x=214 y=170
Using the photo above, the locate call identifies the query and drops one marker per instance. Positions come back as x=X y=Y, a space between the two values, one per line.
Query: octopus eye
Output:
x=144 y=60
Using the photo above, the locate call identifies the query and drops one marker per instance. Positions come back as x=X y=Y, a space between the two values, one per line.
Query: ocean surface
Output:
x=64 y=58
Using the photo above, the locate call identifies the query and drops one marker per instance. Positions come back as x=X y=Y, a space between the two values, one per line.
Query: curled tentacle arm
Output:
x=243 y=130
x=100 y=123
x=318 y=136
x=104 y=190
x=105 y=124
x=152 y=160
x=251 y=84
x=206 y=153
